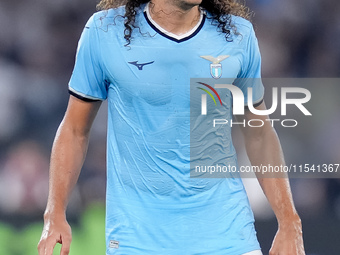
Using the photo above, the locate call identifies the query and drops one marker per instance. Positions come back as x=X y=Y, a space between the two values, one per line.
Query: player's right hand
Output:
x=56 y=230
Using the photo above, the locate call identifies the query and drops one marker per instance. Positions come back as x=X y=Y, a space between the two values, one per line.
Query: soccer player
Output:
x=141 y=57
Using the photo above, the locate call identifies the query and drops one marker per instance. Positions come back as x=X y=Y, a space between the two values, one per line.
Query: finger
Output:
x=65 y=246
x=42 y=243
x=41 y=247
x=49 y=246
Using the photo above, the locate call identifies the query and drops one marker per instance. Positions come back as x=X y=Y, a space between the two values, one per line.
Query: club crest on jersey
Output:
x=215 y=66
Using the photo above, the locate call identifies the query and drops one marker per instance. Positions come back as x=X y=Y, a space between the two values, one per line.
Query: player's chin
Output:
x=188 y=4
x=194 y=2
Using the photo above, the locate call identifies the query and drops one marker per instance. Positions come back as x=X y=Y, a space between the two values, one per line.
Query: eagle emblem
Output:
x=216 y=66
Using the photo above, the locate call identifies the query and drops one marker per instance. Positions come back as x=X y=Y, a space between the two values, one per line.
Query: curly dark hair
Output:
x=220 y=11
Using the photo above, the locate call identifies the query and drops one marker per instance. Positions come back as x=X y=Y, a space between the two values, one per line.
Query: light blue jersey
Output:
x=153 y=206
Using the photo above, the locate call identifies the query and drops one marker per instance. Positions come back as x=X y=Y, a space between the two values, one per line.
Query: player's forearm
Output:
x=265 y=149
x=278 y=193
x=67 y=157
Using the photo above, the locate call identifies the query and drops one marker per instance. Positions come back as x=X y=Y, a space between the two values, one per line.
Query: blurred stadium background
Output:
x=38 y=40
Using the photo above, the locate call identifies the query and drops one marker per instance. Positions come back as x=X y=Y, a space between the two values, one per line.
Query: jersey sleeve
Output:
x=87 y=81
x=250 y=74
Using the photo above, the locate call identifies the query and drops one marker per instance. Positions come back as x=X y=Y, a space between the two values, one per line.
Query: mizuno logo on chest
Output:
x=141 y=65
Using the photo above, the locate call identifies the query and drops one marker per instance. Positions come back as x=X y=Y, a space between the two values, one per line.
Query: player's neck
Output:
x=173 y=16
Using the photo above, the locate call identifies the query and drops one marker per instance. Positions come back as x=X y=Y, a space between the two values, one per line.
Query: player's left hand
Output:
x=288 y=240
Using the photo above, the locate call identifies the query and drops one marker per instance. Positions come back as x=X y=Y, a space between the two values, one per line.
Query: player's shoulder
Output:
x=100 y=19
x=242 y=30
x=242 y=25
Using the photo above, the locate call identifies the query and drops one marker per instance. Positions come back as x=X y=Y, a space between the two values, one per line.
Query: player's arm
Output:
x=263 y=148
x=68 y=154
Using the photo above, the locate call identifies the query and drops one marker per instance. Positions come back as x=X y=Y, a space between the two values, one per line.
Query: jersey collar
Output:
x=169 y=35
